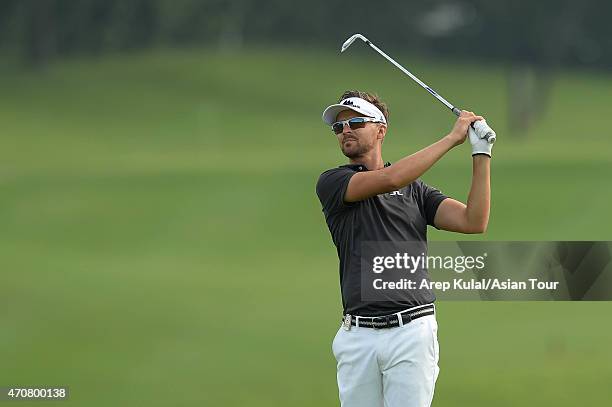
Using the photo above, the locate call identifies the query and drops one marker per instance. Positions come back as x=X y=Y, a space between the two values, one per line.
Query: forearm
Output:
x=408 y=169
x=479 y=198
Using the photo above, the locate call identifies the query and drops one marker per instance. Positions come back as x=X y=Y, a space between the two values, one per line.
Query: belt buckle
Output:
x=346 y=324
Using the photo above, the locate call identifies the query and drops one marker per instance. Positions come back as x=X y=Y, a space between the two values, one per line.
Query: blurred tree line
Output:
x=543 y=33
x=533 y=38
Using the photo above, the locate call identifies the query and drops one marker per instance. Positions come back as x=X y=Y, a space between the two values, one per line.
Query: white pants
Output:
x=390 y=367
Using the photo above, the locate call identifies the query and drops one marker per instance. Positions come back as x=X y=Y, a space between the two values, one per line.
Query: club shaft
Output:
x=414 y=78
x=482 y=130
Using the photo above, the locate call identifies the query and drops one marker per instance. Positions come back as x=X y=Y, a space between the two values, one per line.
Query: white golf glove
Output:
x=480 y=145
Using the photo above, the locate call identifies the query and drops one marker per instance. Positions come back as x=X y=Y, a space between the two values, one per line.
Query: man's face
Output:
x=356 y=143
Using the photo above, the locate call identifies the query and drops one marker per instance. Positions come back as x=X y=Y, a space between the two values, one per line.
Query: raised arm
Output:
x=455 y=216
x=370 y=183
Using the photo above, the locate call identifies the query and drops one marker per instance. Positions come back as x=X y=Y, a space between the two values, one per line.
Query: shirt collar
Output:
x=360 y=167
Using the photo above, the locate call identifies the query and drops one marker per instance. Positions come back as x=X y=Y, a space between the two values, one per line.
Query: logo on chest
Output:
x=396 y=193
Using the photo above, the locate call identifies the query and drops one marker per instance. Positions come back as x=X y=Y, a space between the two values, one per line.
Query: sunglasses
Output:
x=354 y=123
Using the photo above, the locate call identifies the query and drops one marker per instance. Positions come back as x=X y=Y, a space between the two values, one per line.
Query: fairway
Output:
x=162 y=242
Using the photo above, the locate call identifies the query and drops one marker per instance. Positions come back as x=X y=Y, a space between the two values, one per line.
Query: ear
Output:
x=382 y=132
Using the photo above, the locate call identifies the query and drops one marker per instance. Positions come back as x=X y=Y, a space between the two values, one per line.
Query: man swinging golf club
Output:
x=387 y=348
x=387 y=351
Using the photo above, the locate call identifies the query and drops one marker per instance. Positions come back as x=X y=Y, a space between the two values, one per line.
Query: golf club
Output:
x=481 y=127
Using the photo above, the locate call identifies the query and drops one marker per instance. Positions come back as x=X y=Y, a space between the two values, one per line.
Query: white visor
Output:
x=356 y=104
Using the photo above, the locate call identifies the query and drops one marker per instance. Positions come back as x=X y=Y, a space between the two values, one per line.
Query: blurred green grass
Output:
x=162 y=243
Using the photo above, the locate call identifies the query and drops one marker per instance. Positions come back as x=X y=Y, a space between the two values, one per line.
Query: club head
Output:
x=352 y=39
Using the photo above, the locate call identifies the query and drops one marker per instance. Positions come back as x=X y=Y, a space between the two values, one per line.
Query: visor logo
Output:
x=350 y=103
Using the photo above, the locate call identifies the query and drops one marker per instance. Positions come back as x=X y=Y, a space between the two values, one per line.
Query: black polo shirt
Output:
x=401 y=215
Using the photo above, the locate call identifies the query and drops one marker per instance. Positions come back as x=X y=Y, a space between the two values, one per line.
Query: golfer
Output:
x=387 y=350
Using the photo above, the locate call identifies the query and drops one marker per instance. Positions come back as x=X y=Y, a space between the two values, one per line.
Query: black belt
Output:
x=390 y=321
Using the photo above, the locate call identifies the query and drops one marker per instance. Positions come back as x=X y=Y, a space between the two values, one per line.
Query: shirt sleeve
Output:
x=431 y=198
x=331 y=189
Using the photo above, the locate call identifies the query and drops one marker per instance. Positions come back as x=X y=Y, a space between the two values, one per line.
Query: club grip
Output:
x=483 y=130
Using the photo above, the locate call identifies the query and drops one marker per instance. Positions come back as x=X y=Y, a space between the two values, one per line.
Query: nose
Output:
x=345 y=127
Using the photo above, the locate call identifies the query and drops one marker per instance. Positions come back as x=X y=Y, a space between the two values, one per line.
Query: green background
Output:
x=161 y=241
